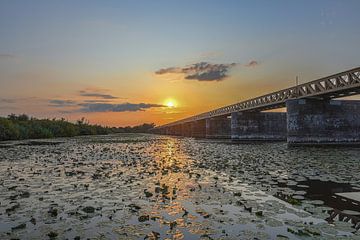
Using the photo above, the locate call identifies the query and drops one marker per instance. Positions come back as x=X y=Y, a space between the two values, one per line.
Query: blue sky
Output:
x=52 y=49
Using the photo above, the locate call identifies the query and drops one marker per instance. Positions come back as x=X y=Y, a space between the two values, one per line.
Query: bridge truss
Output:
x=338 y=85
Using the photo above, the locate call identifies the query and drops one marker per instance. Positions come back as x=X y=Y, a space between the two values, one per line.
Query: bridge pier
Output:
x=171 y=130
x=167 y=131
x=312 y=121
x=176 y=130
x=253 y=126
x=161 y=131
x=186 y=129
x=218 y=127
x=198 y=128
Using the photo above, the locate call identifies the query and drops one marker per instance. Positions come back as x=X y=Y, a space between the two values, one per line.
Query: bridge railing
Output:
x=338 y=85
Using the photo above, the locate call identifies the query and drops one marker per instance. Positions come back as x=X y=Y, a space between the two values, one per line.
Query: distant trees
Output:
x=8 y=130
x=143 y=128
x=16 y=127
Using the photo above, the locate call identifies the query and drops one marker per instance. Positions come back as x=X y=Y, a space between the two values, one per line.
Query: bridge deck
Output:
x=342 y=84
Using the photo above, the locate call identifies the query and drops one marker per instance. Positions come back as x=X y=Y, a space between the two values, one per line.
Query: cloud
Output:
x=122 y=107
x=19 y=99
x=6 y=56
x=97 y=95
x=7 y=100
x=96 y=101
x=62 y=103
x=202 y=71
x=252 y=63
x=169 y=70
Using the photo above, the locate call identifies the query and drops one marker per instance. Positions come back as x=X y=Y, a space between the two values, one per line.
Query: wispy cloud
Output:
x=252 y=63
x=20 y=100
x=122 y=107
x=62 y=103
x=96 y=105
x=96 y=101
x=97 y=95
x=7 y=100
x=202 y=71
x=6 y=56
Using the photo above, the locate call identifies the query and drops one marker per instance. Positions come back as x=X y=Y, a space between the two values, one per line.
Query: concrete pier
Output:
x=253 y=126
x=218 y=127
x=178 y=130
x=186 y=129
x=312 y=121
x=175 y=130
x=167 y=131
x=198 y=128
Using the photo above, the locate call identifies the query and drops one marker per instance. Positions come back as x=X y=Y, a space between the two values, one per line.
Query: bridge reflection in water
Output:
x=313 y=116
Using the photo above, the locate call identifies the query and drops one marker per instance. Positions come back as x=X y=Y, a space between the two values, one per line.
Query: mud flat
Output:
x=133 y=186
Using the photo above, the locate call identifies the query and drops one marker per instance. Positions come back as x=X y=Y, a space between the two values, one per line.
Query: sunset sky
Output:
x=121 y=63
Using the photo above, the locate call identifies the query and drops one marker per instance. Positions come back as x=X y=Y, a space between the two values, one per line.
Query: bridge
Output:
x=312 y=116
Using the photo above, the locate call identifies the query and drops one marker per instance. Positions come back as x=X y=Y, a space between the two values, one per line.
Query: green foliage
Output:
x=293 y=201
x=23 y=127
x=16 y=127
x=8 y=130
x=144 y=128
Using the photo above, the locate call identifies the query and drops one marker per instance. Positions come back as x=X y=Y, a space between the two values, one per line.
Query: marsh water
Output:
x=139 y=186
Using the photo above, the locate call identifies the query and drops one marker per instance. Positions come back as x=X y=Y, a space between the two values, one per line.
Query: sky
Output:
x=120 y=63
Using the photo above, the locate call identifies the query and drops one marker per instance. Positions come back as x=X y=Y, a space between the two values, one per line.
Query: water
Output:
x=133 y=186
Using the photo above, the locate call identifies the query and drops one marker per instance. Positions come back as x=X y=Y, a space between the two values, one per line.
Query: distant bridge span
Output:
x=312 y=116
x=342 y=84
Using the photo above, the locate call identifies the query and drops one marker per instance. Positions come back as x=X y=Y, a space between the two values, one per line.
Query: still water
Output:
x=138 y=186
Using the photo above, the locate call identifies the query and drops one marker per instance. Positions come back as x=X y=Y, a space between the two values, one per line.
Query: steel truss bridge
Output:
x=342 y=84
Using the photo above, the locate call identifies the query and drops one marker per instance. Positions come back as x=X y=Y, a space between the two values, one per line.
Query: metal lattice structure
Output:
x=338 y=85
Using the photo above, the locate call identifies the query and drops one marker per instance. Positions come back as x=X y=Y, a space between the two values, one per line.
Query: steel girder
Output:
x=342 y=84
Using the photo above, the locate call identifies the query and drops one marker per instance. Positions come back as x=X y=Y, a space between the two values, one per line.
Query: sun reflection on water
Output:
x=174 y=185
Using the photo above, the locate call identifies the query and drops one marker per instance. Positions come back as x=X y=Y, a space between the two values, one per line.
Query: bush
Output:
x=23 y=127
x=8 y=130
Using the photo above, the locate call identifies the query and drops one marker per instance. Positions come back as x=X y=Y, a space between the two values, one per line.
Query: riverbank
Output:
x=20 y=127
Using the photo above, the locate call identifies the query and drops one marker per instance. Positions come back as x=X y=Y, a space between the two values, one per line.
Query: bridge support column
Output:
x=186 y=129
x=198 y=128
x=178 y=130
x=218 y=127
x=170 y=131
x=175 y=130
x=312 y=121
x=253 y=126
x=167 y=131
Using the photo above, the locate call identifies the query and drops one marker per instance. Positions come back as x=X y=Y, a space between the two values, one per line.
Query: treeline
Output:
x=17 y=127
x=143 y=128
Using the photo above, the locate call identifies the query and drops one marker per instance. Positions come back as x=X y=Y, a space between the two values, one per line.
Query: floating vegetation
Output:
x=138 y=186
x=88 y=209
x=293 y=201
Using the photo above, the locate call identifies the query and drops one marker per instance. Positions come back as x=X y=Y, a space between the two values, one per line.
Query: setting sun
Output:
x=170 y=103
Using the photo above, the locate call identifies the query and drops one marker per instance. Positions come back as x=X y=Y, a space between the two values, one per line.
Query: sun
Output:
x=170 y=103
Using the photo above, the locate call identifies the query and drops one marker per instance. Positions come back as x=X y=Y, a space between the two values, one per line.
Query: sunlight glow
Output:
x=170 y=103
